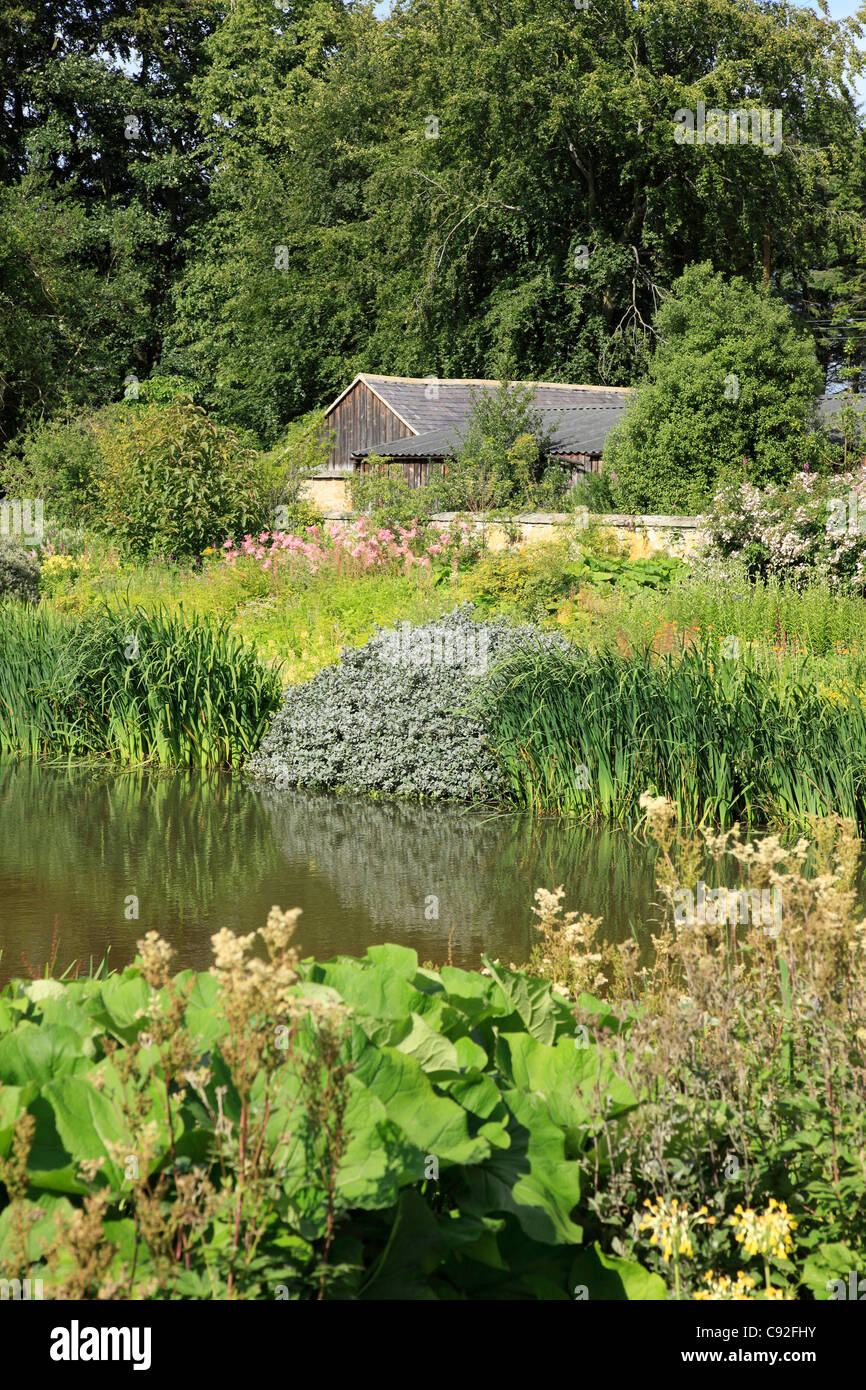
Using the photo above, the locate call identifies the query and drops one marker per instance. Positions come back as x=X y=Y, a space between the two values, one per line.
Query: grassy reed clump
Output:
x=134 y=686
x=713 y=729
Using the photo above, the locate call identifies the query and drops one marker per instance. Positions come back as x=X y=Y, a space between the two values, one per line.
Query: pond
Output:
x=83 y=848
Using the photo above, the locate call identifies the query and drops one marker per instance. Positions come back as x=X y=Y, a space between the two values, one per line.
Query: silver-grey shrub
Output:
x=19 y=570
x=395 y=716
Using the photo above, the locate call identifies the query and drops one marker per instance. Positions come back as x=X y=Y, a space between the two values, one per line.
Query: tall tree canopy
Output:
x=99 y=183
x=313 y=189
x=731 y=387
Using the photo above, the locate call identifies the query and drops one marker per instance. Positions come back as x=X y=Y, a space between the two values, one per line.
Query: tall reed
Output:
x=134 y=686
x=585 y=734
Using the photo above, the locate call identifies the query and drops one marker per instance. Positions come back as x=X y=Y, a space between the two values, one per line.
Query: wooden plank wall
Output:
x=417 y=471
x=360 y=421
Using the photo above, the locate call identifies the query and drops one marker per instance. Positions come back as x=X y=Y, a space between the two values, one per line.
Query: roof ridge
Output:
x=485 y=381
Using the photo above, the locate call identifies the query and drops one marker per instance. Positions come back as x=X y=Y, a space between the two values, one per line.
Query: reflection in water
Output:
x=200 y=852
x=409 y=873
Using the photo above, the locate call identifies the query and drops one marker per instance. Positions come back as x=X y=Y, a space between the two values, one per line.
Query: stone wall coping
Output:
x=675 y=523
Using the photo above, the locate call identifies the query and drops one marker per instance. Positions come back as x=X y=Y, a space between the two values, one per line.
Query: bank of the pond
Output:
x=715 y=728
x=128 y=685
x=467 y=708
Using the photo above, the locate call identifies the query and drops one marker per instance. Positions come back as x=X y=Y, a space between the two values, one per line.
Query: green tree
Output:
x=173 y=483
x=501 y=452
x=731 y=390
x=425 y=192
x=99 y=181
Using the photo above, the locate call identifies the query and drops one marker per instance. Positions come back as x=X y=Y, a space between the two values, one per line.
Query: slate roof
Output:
x=574 y=430
x=453 y=402
x=579 y=417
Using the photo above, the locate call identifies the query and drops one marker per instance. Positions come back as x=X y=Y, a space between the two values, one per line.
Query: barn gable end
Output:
x=360 y=419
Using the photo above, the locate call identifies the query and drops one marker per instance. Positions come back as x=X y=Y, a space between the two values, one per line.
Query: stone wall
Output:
x=328 y=494
x=643 y=535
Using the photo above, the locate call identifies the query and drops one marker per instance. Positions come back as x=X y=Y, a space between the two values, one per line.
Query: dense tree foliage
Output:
x=266 y=197
x=731 y=382
x=100 y=182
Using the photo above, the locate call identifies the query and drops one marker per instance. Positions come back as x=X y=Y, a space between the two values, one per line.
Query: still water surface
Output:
x=203 y=852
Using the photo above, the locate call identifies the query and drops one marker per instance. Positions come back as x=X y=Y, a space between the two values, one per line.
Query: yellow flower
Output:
x=671 y=1225
x=722 y=1288
x=766 y=1234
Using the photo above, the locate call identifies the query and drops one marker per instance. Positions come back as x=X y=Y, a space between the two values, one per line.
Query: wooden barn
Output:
x=419 y=421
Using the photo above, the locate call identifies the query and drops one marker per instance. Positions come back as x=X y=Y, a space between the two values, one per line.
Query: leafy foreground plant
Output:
x=129 y=685
x=285 y=1129
x=282 y=1128
x=742 y=1173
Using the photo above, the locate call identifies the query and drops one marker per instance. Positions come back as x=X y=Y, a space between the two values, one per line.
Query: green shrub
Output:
x=501 y=458
x=295 y=517
x=593 y=491
x=384 y=496
x=394 y=716
x=531 y=578
x=731 y=387
x=19 y=570
x=286 y=468
x=59 y=461
x=535 y=579
x=163 y=390
x=173 y=483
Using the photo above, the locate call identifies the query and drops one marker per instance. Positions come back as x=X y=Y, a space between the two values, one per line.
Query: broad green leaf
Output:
x=39 y=1052
x=402 y=959
x=125 y=1000
x=10 y=1013
x=373 y=989
x=377 y=1157
x=87 y=1122
x=202 y=1015
x=533 y=1002
x=13 y=1102
x=434 y=1052
x=611 y=1278
x=574 y=1081
x=49 y=1163
x=433 y=1123
x=476 y=1092
x=419 y=1244
x=532 y=1179
x=827 y=1273
x=469 y=1054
